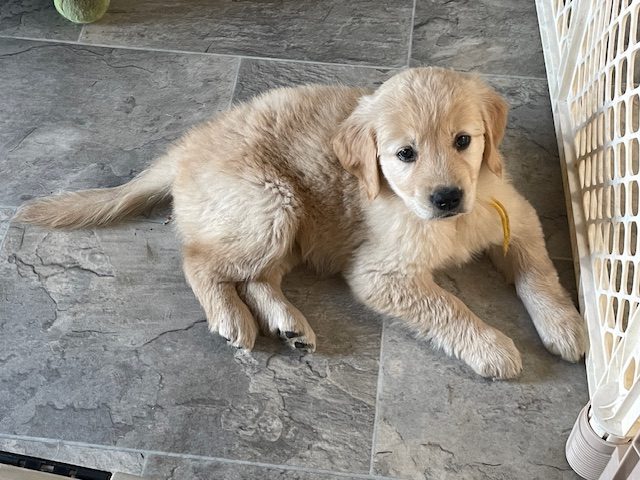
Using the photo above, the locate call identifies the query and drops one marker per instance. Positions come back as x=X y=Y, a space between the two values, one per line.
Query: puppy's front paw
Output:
x=494 y=356
x=564 y=334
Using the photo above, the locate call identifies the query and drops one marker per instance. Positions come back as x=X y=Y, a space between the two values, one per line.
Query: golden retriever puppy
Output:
x=384 y=186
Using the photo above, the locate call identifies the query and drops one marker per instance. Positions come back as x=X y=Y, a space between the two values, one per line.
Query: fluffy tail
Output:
x=103 y=206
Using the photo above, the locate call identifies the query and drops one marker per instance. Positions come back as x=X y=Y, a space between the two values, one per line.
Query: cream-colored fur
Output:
x=312 y=174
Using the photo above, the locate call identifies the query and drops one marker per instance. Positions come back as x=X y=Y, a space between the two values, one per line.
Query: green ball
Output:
x=81 y=11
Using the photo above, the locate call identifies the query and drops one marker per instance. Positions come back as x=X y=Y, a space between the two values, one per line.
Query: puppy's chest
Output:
x=429 y=245
x=436 y=246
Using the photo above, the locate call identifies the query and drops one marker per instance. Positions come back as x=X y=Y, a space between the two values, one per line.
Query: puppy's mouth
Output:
x=426 y=214
x=444 y=215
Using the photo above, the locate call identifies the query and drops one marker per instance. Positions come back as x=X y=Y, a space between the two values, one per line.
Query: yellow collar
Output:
x=506 y=230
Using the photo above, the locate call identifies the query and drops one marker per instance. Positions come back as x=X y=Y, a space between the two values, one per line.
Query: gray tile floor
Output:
x=104 y=355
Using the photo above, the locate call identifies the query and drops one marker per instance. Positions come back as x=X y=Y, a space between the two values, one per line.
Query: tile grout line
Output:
x=187 y=456
x=506 y=76
x=144 y=465
x=235 y=83
x=257 y=58
x=374 y=435
x=206 y=54
x=413 y=19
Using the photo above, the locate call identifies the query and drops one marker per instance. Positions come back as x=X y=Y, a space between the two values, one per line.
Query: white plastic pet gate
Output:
x=592 y=55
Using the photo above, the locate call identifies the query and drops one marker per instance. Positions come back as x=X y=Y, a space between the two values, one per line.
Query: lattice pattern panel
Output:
x=562 y=10
x=604 y=107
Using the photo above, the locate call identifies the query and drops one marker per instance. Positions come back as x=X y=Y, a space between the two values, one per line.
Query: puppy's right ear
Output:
x=494 y=114
x=355 y=147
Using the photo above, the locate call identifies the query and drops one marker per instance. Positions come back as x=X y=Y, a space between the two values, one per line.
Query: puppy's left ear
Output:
x=355 y=146
x=494 y=115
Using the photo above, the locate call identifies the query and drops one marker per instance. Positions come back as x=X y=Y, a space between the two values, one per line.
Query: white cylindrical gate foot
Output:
x=586 y=452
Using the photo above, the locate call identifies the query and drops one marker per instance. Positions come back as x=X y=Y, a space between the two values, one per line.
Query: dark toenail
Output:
x=228 y=340
x=300 y=345
x=291 y=334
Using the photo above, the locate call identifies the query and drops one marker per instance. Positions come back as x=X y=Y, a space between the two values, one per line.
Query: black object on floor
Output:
x=50 y=466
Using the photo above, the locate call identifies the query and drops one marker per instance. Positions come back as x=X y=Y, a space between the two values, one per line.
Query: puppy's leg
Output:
x=439 y=316
x=275 y=314
x=528 y=265
x=226 y=313
x=235 y=230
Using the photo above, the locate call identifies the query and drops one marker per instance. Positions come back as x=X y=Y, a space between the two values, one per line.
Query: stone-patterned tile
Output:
x=91 y=117
x=489 y=36
x=85 y=456
x=437 y=419
x=556 y=228
x=35 y=19
x=354 y=32
x=257 y=76
x=172 y=468
x=567 y=274
x=102 y=342
x=531 y=157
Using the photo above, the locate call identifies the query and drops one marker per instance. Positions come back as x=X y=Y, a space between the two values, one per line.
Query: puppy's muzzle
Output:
x=447 y=201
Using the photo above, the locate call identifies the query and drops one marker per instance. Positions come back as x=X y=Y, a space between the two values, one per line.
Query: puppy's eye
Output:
x=407 y=154
x=462 y=142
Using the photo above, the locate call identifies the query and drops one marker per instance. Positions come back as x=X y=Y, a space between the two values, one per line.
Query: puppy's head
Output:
x=428 y=131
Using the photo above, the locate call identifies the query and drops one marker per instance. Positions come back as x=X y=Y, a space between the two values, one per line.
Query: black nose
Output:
x=447 y=199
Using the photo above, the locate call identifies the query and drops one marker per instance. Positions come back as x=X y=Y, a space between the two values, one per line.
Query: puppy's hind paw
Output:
x=300 y=341
x=292 y=327
x=240 y=333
